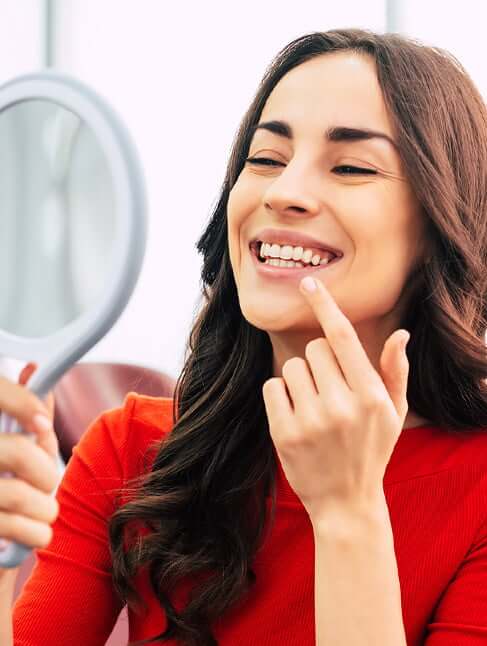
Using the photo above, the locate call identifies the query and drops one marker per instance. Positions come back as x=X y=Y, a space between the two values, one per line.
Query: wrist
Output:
x=348 y=522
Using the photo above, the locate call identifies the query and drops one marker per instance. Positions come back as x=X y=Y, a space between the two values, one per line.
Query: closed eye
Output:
x=351 y=170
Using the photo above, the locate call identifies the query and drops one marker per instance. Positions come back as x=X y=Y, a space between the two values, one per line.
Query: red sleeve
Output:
x=460 y=618
x=68 y=598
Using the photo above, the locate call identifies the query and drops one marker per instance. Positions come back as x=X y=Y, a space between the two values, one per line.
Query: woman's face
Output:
x=370 y=215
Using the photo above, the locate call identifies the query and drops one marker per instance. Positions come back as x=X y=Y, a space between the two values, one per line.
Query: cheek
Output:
x=382 y=231
x=235 y=218
x=242 y=203
x=381 y=222
x=233 y=206
x=243 y=198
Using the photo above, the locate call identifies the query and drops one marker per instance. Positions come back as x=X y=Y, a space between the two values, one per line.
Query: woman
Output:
x=310 y=480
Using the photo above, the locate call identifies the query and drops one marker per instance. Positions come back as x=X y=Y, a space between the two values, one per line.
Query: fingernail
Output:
x=405 y=341
x=42 y=422
x=308 y=284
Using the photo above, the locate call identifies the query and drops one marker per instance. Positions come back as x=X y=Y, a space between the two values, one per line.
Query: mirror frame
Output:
x=56 y=352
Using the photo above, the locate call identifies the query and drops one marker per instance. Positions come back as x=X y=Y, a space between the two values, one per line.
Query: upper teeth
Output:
x=288 y=252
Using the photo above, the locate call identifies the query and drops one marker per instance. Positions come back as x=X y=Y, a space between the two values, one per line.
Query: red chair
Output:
x=86 y=390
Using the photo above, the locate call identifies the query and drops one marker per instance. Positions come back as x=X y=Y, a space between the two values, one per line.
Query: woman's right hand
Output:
x=27 y=506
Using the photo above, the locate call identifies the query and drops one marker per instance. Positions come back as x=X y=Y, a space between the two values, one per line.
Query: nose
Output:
x=290 y=193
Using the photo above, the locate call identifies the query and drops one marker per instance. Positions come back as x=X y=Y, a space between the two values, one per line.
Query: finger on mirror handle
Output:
x=13 y=554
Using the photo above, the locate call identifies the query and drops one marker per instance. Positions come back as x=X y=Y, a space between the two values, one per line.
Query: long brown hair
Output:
x=204 y=496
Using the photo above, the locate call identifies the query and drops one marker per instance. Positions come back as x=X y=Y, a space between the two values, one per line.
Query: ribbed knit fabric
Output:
x=436 y=489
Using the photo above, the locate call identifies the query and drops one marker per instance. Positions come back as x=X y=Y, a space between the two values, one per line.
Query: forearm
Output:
x=357 y=590
x=7 y=587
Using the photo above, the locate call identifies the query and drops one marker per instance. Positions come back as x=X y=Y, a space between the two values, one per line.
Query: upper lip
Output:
x=294 y=238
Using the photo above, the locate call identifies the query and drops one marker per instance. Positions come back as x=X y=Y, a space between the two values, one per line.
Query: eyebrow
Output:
x=333 y=133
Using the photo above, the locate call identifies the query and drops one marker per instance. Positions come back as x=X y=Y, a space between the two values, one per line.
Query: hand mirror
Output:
x=72 y=230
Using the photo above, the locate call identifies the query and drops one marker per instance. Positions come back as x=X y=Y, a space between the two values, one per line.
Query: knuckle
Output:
x=314 y=345
x=312 y=418
x=28 y=462
x=17 y=495
x=292 y=364
x=37 y=406
x=374 y=401
x=20 y=498
x=269 y=385
x=15 y=453
x=25 y=443
x=53 y=510
x=7 y=526
x=342 y=417
x=312 y=422
x=16 y=527
x=52 y=477
x=20 y=403
x=10 y=526
x=290 y=441
x=21 y=451
x=46 y=534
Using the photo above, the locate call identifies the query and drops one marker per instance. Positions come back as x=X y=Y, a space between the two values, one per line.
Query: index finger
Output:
x=24 y=376
x=357 y=369
x=22 y=405
x=27 y=461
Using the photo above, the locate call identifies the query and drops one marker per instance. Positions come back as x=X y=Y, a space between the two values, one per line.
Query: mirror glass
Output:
x=57 y=218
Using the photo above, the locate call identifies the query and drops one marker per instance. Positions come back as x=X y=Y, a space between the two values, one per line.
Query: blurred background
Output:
x=181 y=76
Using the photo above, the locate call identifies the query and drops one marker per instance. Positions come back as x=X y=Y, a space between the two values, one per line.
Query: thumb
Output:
x=48 y=439
x=394 y=367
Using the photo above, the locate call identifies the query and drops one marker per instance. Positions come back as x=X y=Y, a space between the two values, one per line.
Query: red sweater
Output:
x=436 y=489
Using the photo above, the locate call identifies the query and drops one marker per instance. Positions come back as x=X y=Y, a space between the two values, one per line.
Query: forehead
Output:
x=340 y=87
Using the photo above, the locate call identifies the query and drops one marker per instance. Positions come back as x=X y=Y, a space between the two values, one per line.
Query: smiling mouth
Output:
x=290 y=263
x=265 y=268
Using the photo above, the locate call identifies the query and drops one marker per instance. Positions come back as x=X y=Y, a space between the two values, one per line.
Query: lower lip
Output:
x=290 y=273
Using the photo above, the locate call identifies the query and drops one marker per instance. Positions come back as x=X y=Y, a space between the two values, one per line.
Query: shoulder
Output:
x=432 y=449
x=121 y=436
x=154 y=412
x=466 y=448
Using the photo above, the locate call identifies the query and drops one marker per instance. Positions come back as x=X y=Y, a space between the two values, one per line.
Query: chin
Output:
x=274 y=320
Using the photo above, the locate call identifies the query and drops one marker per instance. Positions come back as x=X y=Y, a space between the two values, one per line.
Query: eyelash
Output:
x=260 y=161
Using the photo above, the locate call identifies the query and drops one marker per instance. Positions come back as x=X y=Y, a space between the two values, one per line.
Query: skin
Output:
x=374 y=219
